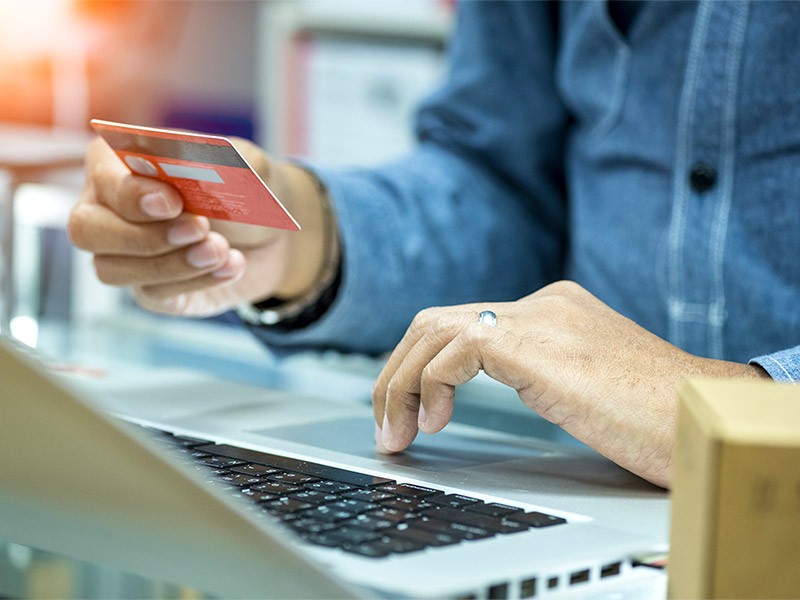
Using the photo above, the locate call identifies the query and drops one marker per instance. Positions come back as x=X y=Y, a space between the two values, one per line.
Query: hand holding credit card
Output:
x=212 y=176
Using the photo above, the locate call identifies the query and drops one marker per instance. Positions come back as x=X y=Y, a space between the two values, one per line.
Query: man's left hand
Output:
x=572 y=359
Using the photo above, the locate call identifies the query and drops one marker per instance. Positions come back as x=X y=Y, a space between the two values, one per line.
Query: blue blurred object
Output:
x=227 y=121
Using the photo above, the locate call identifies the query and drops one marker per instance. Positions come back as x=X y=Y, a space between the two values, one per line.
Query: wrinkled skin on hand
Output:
x=572 y=359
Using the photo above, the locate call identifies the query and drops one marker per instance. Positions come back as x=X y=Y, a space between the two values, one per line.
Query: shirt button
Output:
x=702 y=177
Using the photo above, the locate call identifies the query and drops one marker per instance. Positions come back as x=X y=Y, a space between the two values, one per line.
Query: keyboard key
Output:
x=329 y=487
x=369 y=495
x=408 y=489
x=276 y=487
x=293 y=478
x=321 y=539
x=507 y=525
x=369 y=522
x=427 y=537
x=328 y=514
x=240 y=480
x=491 y=524
x=313 y=497
x=287 y=518
x=221 y=462
x=305 y=525
x=408 y=504
x=256 y=496
x=392 y=514
x=455 y=501
x=459 y=516
x=537 y=519
x=385 y=546
x=354 y=506
x=254 y=470
x=194 y=455
x=345 y=536
x=183 y=440
x=470 y=532
x=286 y=505
x=467 y=532
x=206 y=470
x=494 y=509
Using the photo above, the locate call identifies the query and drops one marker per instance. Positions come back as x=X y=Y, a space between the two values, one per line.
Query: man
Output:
x=647 y=152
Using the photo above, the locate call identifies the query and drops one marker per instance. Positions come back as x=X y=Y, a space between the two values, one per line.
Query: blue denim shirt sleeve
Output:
x=677 y=139
x=781 y=366
x=477 y=212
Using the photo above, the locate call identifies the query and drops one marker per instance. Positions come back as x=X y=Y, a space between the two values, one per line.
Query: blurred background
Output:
x=335 y=81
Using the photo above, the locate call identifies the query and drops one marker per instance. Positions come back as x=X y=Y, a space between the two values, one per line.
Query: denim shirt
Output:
x=656 y=164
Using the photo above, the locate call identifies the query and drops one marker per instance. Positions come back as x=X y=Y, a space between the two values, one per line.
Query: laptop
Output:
x=241 y=491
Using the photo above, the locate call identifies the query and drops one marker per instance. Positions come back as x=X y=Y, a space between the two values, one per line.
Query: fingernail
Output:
x=386 y=433
x=233 y=267
x=225 y=271
x=422 y=418
x=183 y=233
x=156 y=204
x=379 y=440
x=202 y=255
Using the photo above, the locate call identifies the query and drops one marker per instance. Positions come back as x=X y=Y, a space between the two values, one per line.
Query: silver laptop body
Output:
x=78 y=477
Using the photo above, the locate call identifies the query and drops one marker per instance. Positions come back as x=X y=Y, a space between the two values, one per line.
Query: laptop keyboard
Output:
x=359 y=513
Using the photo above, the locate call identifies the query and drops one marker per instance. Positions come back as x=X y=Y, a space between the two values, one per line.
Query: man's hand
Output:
x=572 y=359
x=183 y=264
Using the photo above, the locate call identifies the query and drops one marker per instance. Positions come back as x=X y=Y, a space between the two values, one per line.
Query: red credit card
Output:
x=209 y=172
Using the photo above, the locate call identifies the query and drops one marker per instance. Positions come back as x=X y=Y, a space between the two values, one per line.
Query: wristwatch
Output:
x=298 y=313
x=307 y=308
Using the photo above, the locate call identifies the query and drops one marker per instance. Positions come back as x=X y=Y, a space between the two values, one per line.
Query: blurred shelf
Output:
x=431 y=26
x=291 y=31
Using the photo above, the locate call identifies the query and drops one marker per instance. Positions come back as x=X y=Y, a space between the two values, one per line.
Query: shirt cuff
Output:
x=782 y=366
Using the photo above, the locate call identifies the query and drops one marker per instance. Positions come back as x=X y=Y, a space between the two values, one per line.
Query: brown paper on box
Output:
x=736 y=491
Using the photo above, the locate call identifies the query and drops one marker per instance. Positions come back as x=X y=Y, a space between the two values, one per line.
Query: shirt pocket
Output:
x=593 y=65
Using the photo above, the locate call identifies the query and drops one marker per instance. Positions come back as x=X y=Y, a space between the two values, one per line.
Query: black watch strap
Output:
x=308 y=315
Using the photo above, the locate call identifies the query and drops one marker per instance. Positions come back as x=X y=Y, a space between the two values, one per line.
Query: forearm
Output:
x=431 y=229
x=309 y=248
x=476 y=212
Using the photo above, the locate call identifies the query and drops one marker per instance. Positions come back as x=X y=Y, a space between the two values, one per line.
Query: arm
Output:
x=171 y=260
x=477 y=211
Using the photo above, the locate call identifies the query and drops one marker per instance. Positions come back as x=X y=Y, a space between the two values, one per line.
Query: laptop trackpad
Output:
x=445 y=450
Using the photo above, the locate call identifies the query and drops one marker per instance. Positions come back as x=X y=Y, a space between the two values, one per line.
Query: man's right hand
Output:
x=183 y=264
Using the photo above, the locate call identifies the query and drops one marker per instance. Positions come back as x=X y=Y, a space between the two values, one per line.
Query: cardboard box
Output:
x=736 y=491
